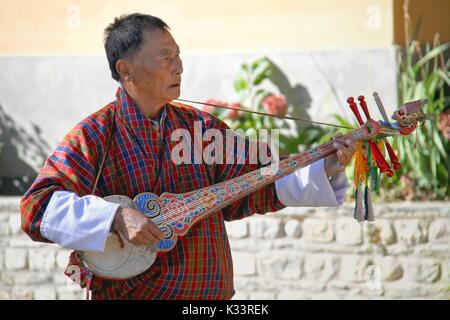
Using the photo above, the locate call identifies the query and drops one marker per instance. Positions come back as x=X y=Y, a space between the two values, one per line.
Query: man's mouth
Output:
x=175 y=85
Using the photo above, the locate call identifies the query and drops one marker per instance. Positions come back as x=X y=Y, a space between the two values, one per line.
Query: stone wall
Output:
x=299 y=253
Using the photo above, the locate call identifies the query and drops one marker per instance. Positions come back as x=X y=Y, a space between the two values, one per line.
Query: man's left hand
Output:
x=336 y=162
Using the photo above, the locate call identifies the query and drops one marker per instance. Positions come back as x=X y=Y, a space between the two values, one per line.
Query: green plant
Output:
x=423 y=73
x=249 y=86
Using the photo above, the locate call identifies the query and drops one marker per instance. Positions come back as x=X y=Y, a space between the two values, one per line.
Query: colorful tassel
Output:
x=360 y=165
x=394 y=160
x=359 y=215
x=368 y=207
x=374 y=179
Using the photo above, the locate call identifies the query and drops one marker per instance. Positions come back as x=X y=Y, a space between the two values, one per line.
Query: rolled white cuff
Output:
x=78 y=223
x=310 y=187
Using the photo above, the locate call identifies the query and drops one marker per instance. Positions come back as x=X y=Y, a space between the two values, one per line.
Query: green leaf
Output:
x=438 y=143
x=419 y=91
x=260 y=77
x=257 y=62
x=444 y=75
x=430 y=55
x=240 y=84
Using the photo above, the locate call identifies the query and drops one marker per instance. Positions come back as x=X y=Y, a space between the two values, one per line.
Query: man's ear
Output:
x=123 y=69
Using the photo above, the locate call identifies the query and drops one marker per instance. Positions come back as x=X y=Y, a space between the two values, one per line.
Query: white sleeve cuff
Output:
x=310 y=187
x=78 y=223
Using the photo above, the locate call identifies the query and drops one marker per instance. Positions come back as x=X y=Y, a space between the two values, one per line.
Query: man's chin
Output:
x=174 y=95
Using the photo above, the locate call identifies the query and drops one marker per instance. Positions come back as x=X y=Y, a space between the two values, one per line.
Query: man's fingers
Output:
x=141 y=241
x=155 y=231
x=145 y=237
x=345 y=154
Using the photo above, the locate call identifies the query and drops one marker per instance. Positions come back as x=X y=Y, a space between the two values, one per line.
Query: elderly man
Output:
x=125 y=149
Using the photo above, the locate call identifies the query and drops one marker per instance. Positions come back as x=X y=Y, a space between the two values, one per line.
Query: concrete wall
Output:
x=297 y=253
x=76 y=26
x=54 y=71
x=42 y=98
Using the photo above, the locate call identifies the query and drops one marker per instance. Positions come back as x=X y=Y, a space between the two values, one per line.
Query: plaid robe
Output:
x=139 y=160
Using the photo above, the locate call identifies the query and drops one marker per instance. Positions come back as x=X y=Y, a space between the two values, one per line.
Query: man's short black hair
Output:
x=124 y=36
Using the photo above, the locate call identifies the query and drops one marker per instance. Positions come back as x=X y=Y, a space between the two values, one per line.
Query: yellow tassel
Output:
x=360 y=164
x=381 y=147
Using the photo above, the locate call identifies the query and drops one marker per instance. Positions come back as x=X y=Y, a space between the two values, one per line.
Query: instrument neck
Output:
x=239 y=187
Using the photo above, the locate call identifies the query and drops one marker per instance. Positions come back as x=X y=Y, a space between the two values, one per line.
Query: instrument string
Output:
x=325 y=149
x=266 y=114
x=174 y=215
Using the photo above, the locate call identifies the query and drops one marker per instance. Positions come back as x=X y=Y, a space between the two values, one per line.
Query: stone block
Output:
x=265 y=228
x=391 y=269
x=321 y=268
x=44 y=293
x=355 y=268
x=42 y=259
x=244 y=264
x=428 y=272
x=439 y=230
x=291 y=295
x=237 y=229
x=21 y=293
x=4 y=294
x=318 y=230
x=14 y=222
x=381 y=232
x=411 y=232
x=293 y=228
x=15 y=259
x=62 y=259
x=4 y=229
x=280 y=266
x=262 y=295
x=348 y=231
x=70 y=293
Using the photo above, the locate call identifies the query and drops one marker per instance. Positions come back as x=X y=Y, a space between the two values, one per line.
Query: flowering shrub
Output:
x=253 y=96
x=276 y=105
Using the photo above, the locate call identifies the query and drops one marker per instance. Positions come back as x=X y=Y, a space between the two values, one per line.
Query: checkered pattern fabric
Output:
x=139 y=160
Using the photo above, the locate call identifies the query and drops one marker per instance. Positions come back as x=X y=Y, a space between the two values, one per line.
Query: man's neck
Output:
x=148 y=106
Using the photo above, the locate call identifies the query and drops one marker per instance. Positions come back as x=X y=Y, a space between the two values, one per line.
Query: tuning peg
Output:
x=380 y=106
x=354 y=107
x=363 y=105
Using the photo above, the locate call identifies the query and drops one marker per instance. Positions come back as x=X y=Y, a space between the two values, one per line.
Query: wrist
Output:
x=117 y=220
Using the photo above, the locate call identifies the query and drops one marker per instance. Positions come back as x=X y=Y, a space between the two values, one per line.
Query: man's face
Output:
x=156 y=68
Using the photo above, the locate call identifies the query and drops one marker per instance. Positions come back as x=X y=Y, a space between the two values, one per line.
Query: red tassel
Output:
x=394 y=159
x=380 y=160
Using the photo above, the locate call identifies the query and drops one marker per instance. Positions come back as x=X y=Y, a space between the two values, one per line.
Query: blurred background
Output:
x=307 y=56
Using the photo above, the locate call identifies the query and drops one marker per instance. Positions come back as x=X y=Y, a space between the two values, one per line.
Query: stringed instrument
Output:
x=175 y=214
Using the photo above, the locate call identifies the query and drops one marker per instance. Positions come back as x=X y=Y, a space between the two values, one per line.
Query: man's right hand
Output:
x=136 y=227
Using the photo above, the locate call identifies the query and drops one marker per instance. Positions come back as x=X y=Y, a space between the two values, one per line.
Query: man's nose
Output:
x=178 y=66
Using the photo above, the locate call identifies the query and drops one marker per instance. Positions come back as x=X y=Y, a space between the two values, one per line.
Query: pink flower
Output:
x=444 y=123
x=216 y=102
x=234 y=114
x=276 y=105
